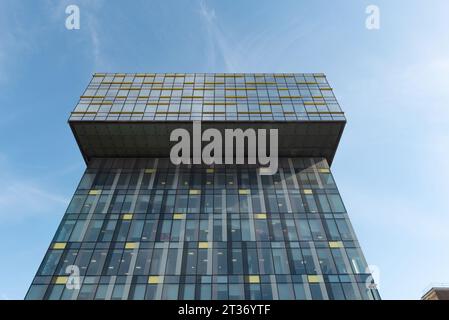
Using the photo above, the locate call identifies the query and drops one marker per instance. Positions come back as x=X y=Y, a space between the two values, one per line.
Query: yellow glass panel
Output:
x=61 y=280
x=100 y=103
x=243 y=191
x=335 y=244
x=324 y=170
x=315 y=279
x=194 y=191
x=131 y=245
x=92 y=97
x=94 y=192
x=150 y=170
x=325 y=112
x=59 y=245
x=308 y=191
x=203 y=245
x=264 y=170
x=179 y=216
x=254 y=112
x=127 y=216
x=253 y=279
x=209 y=170
x=261 y=216
x=154 y=279
x=84 y=112
x=219 y=103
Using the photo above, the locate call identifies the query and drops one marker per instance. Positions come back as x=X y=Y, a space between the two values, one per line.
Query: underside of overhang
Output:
x=99 y=139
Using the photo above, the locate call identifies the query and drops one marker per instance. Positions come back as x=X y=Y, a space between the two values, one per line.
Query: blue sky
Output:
x=391 y=166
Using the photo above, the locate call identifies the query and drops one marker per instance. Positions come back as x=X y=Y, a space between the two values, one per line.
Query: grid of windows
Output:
x=145 y=229
x=217 y=97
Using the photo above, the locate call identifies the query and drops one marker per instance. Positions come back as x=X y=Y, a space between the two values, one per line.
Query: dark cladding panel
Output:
x=152 y=139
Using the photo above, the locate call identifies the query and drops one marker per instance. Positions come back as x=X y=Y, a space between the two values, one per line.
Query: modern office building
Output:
x=140 y=227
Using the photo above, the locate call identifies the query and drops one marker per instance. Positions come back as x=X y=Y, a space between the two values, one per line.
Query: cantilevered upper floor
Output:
x=133 y=114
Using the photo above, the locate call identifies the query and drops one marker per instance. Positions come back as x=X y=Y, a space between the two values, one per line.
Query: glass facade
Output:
x=143 y=228
x=173 y=97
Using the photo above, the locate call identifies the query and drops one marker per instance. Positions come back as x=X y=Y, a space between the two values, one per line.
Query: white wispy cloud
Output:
x=15 y=38
x=96 y=49
x=22 y=197
x=427 y=78
x=263 y=49
x=26 y=195
x=89 y=25
x=19 y=35
x=217 y=44
x=419 y=91
x=97 y=36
